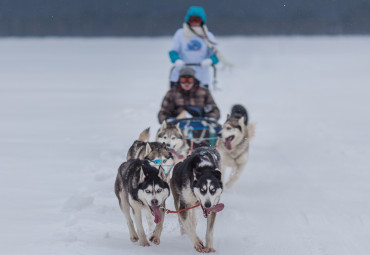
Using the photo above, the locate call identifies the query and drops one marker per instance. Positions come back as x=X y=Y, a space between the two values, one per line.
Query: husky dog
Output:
x=209 y=155
x=155 y=152
x=174 y=138
x=233 y=143
x=140 y=186
x=197 y=180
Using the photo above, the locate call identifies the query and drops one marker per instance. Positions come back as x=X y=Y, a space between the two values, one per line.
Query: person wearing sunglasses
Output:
x=193 y=45
x=186 y=99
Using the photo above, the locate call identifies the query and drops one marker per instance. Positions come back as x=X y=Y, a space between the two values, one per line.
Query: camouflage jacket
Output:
x=176 y=100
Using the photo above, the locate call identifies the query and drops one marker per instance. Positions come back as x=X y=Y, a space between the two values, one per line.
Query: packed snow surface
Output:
x=71 y=108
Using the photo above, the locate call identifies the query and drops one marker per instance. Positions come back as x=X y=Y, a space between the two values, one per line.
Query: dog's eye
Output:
x=147 y=191
x=213 y=190
x=164 y=161
x=228 y=128
x=164 y=137
x=202 y=190
x=159 y=190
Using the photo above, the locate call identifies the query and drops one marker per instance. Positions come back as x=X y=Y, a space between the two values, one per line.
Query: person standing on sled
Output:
x=193 y=44
x=186 y=99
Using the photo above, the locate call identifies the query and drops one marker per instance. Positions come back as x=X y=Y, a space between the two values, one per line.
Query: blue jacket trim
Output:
x=196 y=11
x=214 y=59
x=173 y=55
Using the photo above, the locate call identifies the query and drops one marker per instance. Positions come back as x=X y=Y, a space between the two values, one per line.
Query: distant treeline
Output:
x=163 y=17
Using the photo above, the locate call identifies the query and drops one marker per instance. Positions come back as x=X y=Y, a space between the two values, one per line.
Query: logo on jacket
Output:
x=194 y=45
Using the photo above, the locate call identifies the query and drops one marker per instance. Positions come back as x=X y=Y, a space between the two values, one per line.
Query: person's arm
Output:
x=211 y=54
x=175 y=47
x=166 y=108
x=210 y=108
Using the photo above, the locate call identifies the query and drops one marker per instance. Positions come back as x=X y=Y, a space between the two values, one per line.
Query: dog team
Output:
x=195 y=176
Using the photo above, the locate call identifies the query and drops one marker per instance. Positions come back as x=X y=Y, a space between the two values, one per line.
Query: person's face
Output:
x=195 y=21
x=187 y=83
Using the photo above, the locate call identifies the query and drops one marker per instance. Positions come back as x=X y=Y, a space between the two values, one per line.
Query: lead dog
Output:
x=140 y=186
x=233 y=143
x=197 y=180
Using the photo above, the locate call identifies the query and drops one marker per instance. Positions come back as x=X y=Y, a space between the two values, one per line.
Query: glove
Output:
x=206 y=63
x=179 y=63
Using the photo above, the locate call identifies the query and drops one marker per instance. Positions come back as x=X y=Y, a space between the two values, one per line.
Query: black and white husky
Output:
x=140 y=186
x=197 y=180
x=174 y=138
x=157 y=153
x=233 y=143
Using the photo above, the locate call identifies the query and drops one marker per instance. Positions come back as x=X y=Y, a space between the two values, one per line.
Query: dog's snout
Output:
x=207 y=204
x=154 y=202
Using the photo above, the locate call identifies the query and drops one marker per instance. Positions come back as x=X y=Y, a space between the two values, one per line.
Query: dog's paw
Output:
x=198 y=245
x=144 y=243
x=134 y=238
x=155 y=239
x=208 y=250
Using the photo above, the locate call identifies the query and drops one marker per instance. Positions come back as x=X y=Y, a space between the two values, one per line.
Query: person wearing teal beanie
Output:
x=193 y=44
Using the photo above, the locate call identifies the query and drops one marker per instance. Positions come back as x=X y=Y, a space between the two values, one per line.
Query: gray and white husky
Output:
x=174 y=138
x=140 y=186
x=233 y=143
x=197 y=180
x=157 y=153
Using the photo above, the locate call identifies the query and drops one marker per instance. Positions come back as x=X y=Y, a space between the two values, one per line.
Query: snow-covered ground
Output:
x=70 y=109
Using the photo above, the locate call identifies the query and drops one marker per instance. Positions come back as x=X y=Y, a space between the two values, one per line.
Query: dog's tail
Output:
x=238 y=111
x=144 y=136
x=251 y=127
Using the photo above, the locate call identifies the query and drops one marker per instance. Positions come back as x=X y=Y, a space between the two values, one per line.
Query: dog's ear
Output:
x=164 y=126
x=148 y=149
x=161 y=174
x=178 y=127
x=142 y=175
x=196 y=174
x=217 y=174
x=241 y=121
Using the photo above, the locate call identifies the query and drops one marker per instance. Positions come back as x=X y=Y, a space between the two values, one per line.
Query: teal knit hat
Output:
x=196 y=11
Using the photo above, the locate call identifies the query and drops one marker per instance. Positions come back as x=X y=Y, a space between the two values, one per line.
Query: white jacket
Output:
x=193 y=49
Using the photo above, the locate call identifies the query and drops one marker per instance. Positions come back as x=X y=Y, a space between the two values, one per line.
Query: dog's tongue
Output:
x=228 y=143
x=179 y=156
x=157 y=214
x=217 y=208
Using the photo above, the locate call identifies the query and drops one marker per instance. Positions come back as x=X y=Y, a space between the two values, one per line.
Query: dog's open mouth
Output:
x=174 y=152
x=228 y=142
x=156 y=213
x=217 y=208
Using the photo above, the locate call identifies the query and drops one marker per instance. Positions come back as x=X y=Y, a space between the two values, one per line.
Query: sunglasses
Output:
x=195 y=19
x=186 y=79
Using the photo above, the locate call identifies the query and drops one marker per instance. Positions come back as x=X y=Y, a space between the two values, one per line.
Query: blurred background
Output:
x=163 y=17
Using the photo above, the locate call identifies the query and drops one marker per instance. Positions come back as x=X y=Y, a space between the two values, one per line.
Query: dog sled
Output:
x=199 y=131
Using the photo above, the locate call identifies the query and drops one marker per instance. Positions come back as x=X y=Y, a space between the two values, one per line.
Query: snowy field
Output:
x=71 y=108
